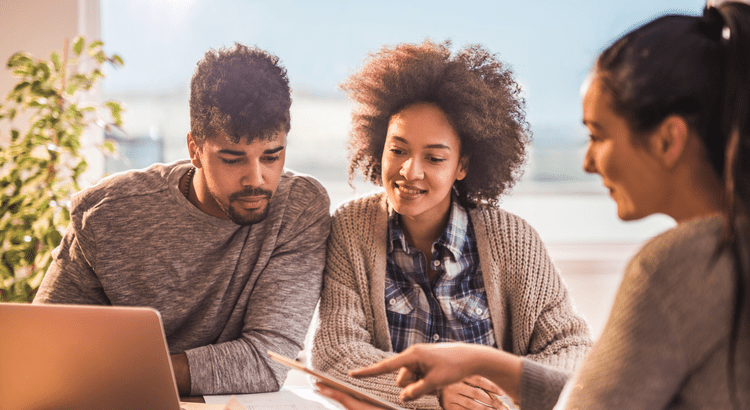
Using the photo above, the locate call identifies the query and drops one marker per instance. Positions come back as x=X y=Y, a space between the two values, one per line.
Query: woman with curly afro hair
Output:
x=432 y=258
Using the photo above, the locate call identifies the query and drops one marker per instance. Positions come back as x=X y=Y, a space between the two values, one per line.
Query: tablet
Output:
x=335 y=383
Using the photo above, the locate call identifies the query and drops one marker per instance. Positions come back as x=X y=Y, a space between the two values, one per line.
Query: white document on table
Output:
x=285 y=399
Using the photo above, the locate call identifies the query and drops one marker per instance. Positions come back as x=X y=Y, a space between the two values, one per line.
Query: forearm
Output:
x=181 y=372
x=235 y=367
x=502 y=368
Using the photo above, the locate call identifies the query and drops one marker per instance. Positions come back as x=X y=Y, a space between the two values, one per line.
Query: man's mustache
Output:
x=251 y=192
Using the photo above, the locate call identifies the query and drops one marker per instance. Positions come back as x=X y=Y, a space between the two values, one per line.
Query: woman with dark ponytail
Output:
x=668 y=110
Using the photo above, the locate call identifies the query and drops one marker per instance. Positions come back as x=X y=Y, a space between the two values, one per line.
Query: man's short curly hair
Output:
x=242 y=92
x=473 y=87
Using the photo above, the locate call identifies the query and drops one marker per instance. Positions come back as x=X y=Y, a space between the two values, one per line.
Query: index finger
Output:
x=386 y=366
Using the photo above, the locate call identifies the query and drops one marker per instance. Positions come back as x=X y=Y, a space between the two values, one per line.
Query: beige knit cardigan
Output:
x=531 y=310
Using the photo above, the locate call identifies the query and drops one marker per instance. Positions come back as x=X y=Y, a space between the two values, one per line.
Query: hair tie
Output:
x=712 y=23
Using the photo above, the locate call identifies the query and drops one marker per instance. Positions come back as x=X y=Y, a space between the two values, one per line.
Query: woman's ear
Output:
x=463 y=168
x=669 y=140
x=193 y=150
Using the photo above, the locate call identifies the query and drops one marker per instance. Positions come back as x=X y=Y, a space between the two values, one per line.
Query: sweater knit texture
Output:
x=666 y=342
x=226 y=293
x=529 y=304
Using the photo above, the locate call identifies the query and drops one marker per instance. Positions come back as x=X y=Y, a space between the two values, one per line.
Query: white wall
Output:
x=40 y=27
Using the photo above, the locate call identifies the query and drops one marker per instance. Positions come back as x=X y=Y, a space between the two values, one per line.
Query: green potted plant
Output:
x=41 y=163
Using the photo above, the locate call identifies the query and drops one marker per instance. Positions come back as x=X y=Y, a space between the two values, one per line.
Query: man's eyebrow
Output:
x=273 y=150
x=232 y=152
x=269 y=151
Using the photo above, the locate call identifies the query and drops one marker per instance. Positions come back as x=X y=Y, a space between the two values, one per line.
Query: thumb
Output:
x=416 y=390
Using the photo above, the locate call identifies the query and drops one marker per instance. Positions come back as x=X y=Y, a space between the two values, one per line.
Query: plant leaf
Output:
x=78 y=45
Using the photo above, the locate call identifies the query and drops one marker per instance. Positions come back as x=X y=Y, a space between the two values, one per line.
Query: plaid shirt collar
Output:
x=453 y=237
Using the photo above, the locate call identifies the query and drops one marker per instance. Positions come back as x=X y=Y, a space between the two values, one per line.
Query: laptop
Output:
x=71 y=357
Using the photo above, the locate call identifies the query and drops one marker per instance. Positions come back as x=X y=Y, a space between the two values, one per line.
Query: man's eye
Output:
x=436 y=159
x=271 y=159
x=230 y=161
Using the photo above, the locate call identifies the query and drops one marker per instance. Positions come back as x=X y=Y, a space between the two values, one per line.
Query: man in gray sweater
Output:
x=229 y=246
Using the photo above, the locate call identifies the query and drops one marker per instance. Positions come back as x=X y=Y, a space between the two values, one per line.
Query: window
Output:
x=549 y=44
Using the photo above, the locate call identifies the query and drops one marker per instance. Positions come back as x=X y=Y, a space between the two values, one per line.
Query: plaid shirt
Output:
x=453 y=308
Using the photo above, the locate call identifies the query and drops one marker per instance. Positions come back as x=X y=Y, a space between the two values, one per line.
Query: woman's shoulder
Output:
x=497 y=222
x=694 y=239
x=680 y=255
x=361 y=205
x=360 y=214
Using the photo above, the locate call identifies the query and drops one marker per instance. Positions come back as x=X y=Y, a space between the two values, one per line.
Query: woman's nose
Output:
x=588 y=161
x=411 y=169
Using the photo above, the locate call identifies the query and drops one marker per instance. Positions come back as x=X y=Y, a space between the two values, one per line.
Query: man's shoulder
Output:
x=300 y=184
x=298 y=196
x=123 y=186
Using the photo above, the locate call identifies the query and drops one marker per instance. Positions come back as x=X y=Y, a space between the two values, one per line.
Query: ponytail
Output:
x=735 y=124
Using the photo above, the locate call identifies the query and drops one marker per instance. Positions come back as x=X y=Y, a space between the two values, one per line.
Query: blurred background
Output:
x=550 y=44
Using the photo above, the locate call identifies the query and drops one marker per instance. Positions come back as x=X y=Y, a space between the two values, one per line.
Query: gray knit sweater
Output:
x=227 y=293
x=529 y=304
x=666 y=342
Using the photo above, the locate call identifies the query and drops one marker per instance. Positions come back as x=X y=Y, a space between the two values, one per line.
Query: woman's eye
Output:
x=397 y=151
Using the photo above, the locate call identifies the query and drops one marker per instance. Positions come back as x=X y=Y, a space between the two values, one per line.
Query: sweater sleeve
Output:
x=541 y=385
x=544 y=327
x=344 y=336
x=71 y=278
x=277 y=314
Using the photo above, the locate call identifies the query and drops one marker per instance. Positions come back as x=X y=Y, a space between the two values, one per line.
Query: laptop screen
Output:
x=84 y=357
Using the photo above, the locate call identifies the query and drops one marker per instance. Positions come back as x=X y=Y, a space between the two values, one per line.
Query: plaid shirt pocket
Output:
x=470 y=309
x=402 y=303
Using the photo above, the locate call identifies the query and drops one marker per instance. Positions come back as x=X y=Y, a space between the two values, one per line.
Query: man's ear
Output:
x=669 y=140
x=193 y=150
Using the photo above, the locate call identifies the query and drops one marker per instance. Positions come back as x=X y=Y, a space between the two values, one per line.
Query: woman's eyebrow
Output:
x=432 y=146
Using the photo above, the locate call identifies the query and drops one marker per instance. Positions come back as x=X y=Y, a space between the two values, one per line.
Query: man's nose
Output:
x=253 y=175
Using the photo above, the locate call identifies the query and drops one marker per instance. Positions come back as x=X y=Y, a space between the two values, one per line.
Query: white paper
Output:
x=233 y=404
x=285 y=399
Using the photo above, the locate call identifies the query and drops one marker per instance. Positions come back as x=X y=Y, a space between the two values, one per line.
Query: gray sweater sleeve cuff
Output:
x=200 y=364
x=540 y=385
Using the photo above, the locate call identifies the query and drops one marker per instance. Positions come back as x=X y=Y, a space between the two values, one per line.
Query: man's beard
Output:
x=255 y=216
